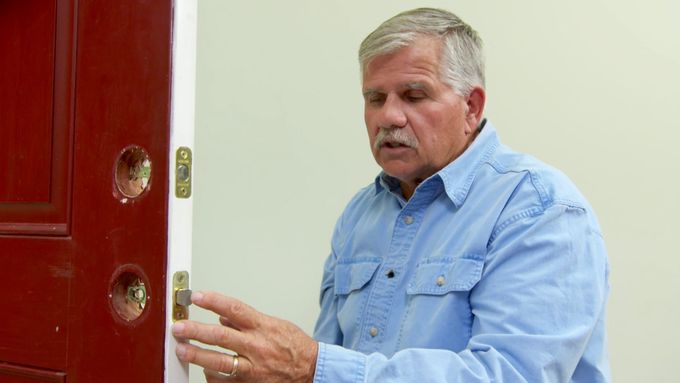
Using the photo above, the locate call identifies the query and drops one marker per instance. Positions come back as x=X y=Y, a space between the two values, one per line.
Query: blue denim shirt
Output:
x=494 y=271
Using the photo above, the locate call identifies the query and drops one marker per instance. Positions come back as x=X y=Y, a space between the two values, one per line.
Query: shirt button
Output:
x=408 y=219
x=441 y=280
x=373 y=331
x=390 y=274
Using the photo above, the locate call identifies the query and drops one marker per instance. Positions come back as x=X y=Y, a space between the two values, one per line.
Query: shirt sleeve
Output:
x=537 y=307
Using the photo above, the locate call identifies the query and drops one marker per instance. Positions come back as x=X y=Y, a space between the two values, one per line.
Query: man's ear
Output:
x=475 y=107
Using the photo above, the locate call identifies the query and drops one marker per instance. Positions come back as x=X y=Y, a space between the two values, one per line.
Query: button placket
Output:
x=381 y=298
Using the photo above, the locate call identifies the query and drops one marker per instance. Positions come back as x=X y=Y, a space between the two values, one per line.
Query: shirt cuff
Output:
x=335 y=364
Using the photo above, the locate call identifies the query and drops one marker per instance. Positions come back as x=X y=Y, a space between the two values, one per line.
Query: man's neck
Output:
x=407 y=189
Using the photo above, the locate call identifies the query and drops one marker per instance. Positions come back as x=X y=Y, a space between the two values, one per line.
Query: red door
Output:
x=84 y=151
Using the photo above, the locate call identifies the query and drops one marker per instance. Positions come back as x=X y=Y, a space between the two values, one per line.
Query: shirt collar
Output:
x=457 y=176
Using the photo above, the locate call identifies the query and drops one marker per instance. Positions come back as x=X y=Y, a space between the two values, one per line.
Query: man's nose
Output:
x=392 y=113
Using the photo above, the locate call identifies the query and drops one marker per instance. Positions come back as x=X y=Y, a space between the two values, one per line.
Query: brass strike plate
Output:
x=183 y=161
x=180 y=281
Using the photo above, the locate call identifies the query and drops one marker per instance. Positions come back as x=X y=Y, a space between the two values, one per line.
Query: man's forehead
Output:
x=417 y=66
x=412 y=85
x=428 y=43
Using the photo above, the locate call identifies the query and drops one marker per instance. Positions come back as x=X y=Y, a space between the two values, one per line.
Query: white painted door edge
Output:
x=182 y=112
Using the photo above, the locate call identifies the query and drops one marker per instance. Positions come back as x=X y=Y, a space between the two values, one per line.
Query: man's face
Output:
x=416 y=123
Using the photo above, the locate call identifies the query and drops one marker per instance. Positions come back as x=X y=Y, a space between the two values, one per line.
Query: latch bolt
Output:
x=181 y=297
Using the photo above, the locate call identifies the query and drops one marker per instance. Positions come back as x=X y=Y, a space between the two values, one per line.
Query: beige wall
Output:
x=590 y=86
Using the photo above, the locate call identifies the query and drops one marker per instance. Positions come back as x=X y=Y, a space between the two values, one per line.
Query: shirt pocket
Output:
x=439 y=276
x=438 y=299
x=352 y=281
x=353 y=274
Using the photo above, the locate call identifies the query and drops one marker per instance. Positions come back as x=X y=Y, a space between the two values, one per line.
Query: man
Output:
x=463 y=262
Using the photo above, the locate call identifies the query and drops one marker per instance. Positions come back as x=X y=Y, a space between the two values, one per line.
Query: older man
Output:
x=463 y=262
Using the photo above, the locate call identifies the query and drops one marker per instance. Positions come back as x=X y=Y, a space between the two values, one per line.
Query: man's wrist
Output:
x=313 y=362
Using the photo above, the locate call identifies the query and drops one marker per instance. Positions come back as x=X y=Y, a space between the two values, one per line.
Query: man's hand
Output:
x=269 y=349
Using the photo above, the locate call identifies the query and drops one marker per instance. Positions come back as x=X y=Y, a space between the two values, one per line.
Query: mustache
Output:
x=395 y=136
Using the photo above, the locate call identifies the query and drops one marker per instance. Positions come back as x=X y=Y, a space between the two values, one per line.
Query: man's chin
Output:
x=398 y=170
x=396 y=152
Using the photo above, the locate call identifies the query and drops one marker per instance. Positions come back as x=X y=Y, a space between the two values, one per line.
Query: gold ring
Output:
x=234 y=367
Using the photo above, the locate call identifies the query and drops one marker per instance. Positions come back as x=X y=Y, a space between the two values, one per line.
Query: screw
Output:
x=180 y=278
x=136 y=294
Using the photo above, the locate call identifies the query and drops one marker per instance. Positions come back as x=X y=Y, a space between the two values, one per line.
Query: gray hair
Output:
x=462 y=57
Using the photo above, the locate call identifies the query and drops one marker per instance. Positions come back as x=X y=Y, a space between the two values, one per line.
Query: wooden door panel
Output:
x=122 y=99
x=36 y=82
x=21 y=374
x=36 y=109
x=26 y=80
x=36 y=277
x=66 y=249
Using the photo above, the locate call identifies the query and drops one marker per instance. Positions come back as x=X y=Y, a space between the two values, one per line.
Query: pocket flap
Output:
x=442 y=275
x=354 y=274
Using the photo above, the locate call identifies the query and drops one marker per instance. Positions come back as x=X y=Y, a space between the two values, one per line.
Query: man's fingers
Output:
x=212 y=376
x=239 y=314
x=213 y=360
x=215 y=335
x=226 y=322
x=215 y=377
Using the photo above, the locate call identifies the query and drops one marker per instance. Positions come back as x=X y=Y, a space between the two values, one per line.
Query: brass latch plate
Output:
x=181 y=296
x=183 y=162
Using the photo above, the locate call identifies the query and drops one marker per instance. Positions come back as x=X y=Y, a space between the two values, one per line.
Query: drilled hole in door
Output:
x=133 y=172
x=128 y=296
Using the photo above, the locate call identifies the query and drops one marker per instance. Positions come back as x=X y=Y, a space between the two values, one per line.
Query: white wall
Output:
x=590 y=86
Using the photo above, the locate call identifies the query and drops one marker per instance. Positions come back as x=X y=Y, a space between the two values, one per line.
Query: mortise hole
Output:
x=128 y=296
x=133 y=172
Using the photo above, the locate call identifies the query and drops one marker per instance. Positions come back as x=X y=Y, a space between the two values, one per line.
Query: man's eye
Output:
x=376 y=99
x=415 y=96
